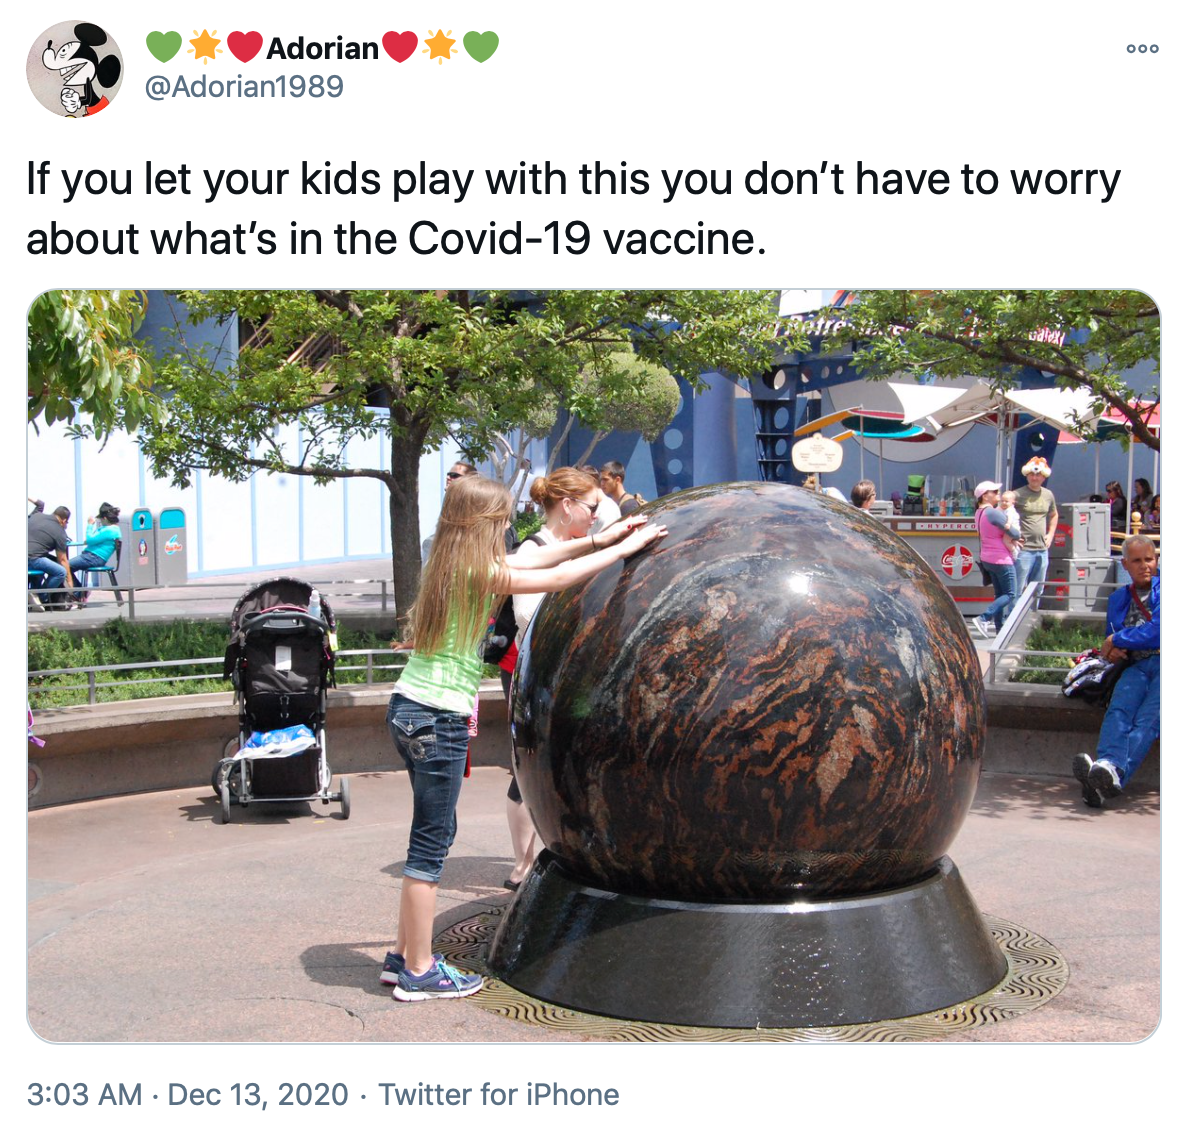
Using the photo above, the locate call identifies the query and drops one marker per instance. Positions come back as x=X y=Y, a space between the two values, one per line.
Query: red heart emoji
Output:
x=399 y=45
x=244 y=45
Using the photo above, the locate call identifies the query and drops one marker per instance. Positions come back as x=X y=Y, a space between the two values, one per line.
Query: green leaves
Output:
x=1088 y=338
x=85 y=366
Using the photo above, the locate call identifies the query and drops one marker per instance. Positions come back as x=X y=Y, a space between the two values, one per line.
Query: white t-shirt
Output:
x=525 y=605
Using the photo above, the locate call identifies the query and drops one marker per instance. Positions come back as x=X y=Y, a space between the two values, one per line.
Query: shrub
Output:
x=1051 y=636
x=121 y=642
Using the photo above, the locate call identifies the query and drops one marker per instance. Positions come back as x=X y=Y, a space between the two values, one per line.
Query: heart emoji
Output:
x=164 y=45
x=244 y=45
x=399 y=45
x=481 y=45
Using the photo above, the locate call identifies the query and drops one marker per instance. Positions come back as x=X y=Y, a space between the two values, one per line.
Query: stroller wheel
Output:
x=233 y=778
x=225 y=805
x=344 y=796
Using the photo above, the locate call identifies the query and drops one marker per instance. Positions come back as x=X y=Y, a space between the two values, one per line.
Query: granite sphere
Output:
x=777 y=700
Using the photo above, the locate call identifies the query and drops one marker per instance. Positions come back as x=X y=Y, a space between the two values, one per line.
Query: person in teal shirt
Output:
x=102 y=533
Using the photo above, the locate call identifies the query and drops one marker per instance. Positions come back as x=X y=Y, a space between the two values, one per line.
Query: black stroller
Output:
x=281 y=661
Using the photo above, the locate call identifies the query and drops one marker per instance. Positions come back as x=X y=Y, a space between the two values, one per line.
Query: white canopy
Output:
x=1068 y=409
x=920 y=401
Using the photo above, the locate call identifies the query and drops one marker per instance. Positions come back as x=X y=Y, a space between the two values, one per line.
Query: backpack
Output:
x=502 y=631
x=1092 y=679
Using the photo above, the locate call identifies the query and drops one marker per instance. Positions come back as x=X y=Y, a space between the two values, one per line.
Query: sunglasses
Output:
x=590 y=507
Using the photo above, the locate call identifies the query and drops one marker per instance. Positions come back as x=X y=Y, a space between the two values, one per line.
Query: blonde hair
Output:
x=464 y=565
x=563 y=483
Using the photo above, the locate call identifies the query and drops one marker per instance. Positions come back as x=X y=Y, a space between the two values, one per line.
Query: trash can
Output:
x=171 y=557
x=1084 y=531
x=1079 y=585
x=137 y=563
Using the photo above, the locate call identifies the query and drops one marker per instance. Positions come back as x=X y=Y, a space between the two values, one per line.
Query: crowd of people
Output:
x=1014 y=548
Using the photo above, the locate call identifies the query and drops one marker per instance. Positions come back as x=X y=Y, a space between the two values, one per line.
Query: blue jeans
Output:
x=1133 y=719
x=1004 y=587
x=55 y=576
x=83 y=562
x=1031 y=567
x=433 y=745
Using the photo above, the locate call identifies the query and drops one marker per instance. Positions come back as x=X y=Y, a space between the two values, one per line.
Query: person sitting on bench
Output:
x=102 y=533
x=48 y=554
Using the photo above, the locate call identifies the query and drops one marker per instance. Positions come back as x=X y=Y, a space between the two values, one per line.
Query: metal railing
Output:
x=372 y=666
x=142 y=596
x=1007 y=652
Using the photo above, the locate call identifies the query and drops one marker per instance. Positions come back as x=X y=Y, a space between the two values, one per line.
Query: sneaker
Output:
x=983 y=628
x=442 y=981
x=1105 y=778
x=1081 y=767
x=394 y=965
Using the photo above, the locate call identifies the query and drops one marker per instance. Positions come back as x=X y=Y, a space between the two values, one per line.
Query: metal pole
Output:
x=131 y=603
x=1128 y=521
x=880 y=461
x=861 y=444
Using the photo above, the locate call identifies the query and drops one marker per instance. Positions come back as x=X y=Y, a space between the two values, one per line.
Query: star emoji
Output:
x=205 y=45
x=440 y=46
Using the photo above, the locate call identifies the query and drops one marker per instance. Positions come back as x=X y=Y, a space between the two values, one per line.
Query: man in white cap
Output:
x=1039 y=521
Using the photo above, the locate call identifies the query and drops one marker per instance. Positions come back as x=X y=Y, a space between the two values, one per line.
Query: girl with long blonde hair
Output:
x=467 y=576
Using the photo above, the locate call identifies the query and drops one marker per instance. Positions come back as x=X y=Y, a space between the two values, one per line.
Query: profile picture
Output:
x=74 y=69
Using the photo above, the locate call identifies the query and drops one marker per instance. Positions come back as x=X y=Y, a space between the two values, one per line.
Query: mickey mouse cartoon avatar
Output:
x=83 y=69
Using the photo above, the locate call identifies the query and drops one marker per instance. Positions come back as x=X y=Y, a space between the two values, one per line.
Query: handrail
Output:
x=136 y=593
x=1002 y=647
x=91 y=672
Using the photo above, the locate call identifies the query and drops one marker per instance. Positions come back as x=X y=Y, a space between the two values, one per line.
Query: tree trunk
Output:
x=404 y=500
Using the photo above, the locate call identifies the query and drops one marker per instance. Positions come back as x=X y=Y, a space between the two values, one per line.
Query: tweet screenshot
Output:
x=580 y=555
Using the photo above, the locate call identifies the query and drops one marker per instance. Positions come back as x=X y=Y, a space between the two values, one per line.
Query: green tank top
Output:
x=447 y=679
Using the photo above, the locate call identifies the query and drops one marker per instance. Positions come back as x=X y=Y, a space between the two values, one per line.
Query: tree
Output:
x=621 y=392
x=615 y=391
x=84 y=360
x=415 y=367
x=1088 y=338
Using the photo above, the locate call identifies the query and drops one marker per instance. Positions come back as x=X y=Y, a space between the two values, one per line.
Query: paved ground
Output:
x=276 y=923
x=352 y=587
x=280 y=919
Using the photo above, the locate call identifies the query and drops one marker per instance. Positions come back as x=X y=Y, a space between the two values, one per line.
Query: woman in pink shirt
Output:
x=997 y=540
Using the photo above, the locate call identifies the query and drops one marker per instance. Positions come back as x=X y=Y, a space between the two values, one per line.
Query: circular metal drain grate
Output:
x=1037 y=973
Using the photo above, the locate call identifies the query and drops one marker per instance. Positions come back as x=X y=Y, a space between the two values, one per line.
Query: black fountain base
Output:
x=739 y=965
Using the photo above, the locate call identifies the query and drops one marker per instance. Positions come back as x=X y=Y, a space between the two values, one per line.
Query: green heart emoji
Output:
x=481 y=45
x=164 y=45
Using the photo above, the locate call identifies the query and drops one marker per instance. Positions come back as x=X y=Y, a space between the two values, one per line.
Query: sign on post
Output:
x=817 y=453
